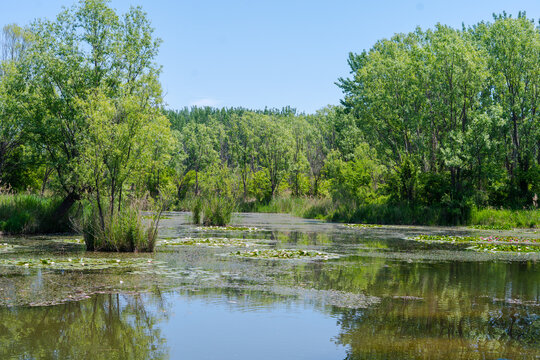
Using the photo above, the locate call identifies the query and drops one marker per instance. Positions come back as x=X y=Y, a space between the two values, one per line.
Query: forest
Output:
x=437 y=127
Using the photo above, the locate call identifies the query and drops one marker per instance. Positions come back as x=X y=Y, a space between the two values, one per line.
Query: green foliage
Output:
x=125 y=231
x=213 y=210
x=471 y=122
x=355 y=181
x=506 y=218
x=31 y=214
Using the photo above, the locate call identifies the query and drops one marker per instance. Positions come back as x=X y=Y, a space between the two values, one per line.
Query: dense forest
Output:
x=433 y=124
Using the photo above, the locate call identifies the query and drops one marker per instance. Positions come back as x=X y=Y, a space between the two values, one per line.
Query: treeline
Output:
x=433 y=124
x=454 y=113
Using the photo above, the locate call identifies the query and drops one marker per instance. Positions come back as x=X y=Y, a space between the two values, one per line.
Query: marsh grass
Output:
x=123 y=231
x=499 y=218
x=31 y=214
x=213 y=211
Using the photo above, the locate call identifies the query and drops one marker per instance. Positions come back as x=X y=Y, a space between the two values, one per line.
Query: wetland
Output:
x=270 y=286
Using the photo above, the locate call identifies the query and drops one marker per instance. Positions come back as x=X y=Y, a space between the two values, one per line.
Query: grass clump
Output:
x=125 y=230
x=31 y=214
x=213 y=211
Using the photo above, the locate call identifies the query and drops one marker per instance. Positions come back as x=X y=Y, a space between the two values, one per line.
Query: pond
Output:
x=271 y=286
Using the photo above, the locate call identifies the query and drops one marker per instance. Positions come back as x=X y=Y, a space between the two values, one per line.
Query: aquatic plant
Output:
x=211 y=242
x=492 y=227
x=473 y=239
x=213 y=211
x=363 y=226
x=285 y=254
x=83 y=263
x=5 y=247
x=126 y=231
x=519 y=248
x=228 y=228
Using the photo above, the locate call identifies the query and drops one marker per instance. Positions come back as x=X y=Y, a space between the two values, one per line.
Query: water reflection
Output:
x=103 y=327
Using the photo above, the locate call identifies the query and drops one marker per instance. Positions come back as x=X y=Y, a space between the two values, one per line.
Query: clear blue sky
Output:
x=272 y=53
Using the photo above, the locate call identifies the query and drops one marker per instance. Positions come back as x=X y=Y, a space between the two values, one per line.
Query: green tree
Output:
x=86 y=50
x=274 y=149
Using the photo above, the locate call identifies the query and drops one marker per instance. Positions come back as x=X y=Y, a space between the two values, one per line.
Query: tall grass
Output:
x=506 y=218
x=31 y=214
x=309 y=207
x=124 y=231
x=215 y=210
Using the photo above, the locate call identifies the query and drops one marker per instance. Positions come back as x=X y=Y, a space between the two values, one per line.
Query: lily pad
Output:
x=77 y=263
x=363 y=226
x=515 y=248
x=228 y=228
x=475 y=239
x=5 y=247
x=70 y=240
x=285 y=254
x=491 y=227
x=211 y=242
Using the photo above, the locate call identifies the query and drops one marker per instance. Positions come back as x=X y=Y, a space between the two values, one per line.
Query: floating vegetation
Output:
x=285 y=254
x=212 y=242
x=491 y=227
x=363 y=226
x=150 y=217
x=474 y=239
x=505 y=248
x=5 y=247
x=228 y=228
x=76 y=263
x=70 y=240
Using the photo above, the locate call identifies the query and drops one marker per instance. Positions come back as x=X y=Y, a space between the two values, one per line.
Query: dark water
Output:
x=385 y=298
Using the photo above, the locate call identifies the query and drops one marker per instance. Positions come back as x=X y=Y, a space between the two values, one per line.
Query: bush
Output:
x=32 y=214
x=124 y=231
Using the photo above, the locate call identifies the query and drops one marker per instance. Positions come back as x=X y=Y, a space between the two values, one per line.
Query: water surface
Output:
x=384 y=297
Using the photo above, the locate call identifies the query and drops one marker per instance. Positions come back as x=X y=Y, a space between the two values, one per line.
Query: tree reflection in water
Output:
x=106 y=326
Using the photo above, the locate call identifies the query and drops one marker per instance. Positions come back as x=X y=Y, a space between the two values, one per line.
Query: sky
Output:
x=277 y=53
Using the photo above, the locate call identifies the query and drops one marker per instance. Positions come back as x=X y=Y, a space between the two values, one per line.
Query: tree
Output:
x=513 y=46
x=13 y=43
x=274 y=149
x=87 y=54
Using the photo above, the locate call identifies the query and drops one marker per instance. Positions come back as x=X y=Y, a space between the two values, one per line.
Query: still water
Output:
x=384 y=297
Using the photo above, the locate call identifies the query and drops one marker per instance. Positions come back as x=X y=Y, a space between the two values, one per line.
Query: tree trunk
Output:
x=64 y=207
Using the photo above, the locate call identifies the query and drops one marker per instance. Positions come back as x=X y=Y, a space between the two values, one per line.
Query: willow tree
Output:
x=89 y=60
